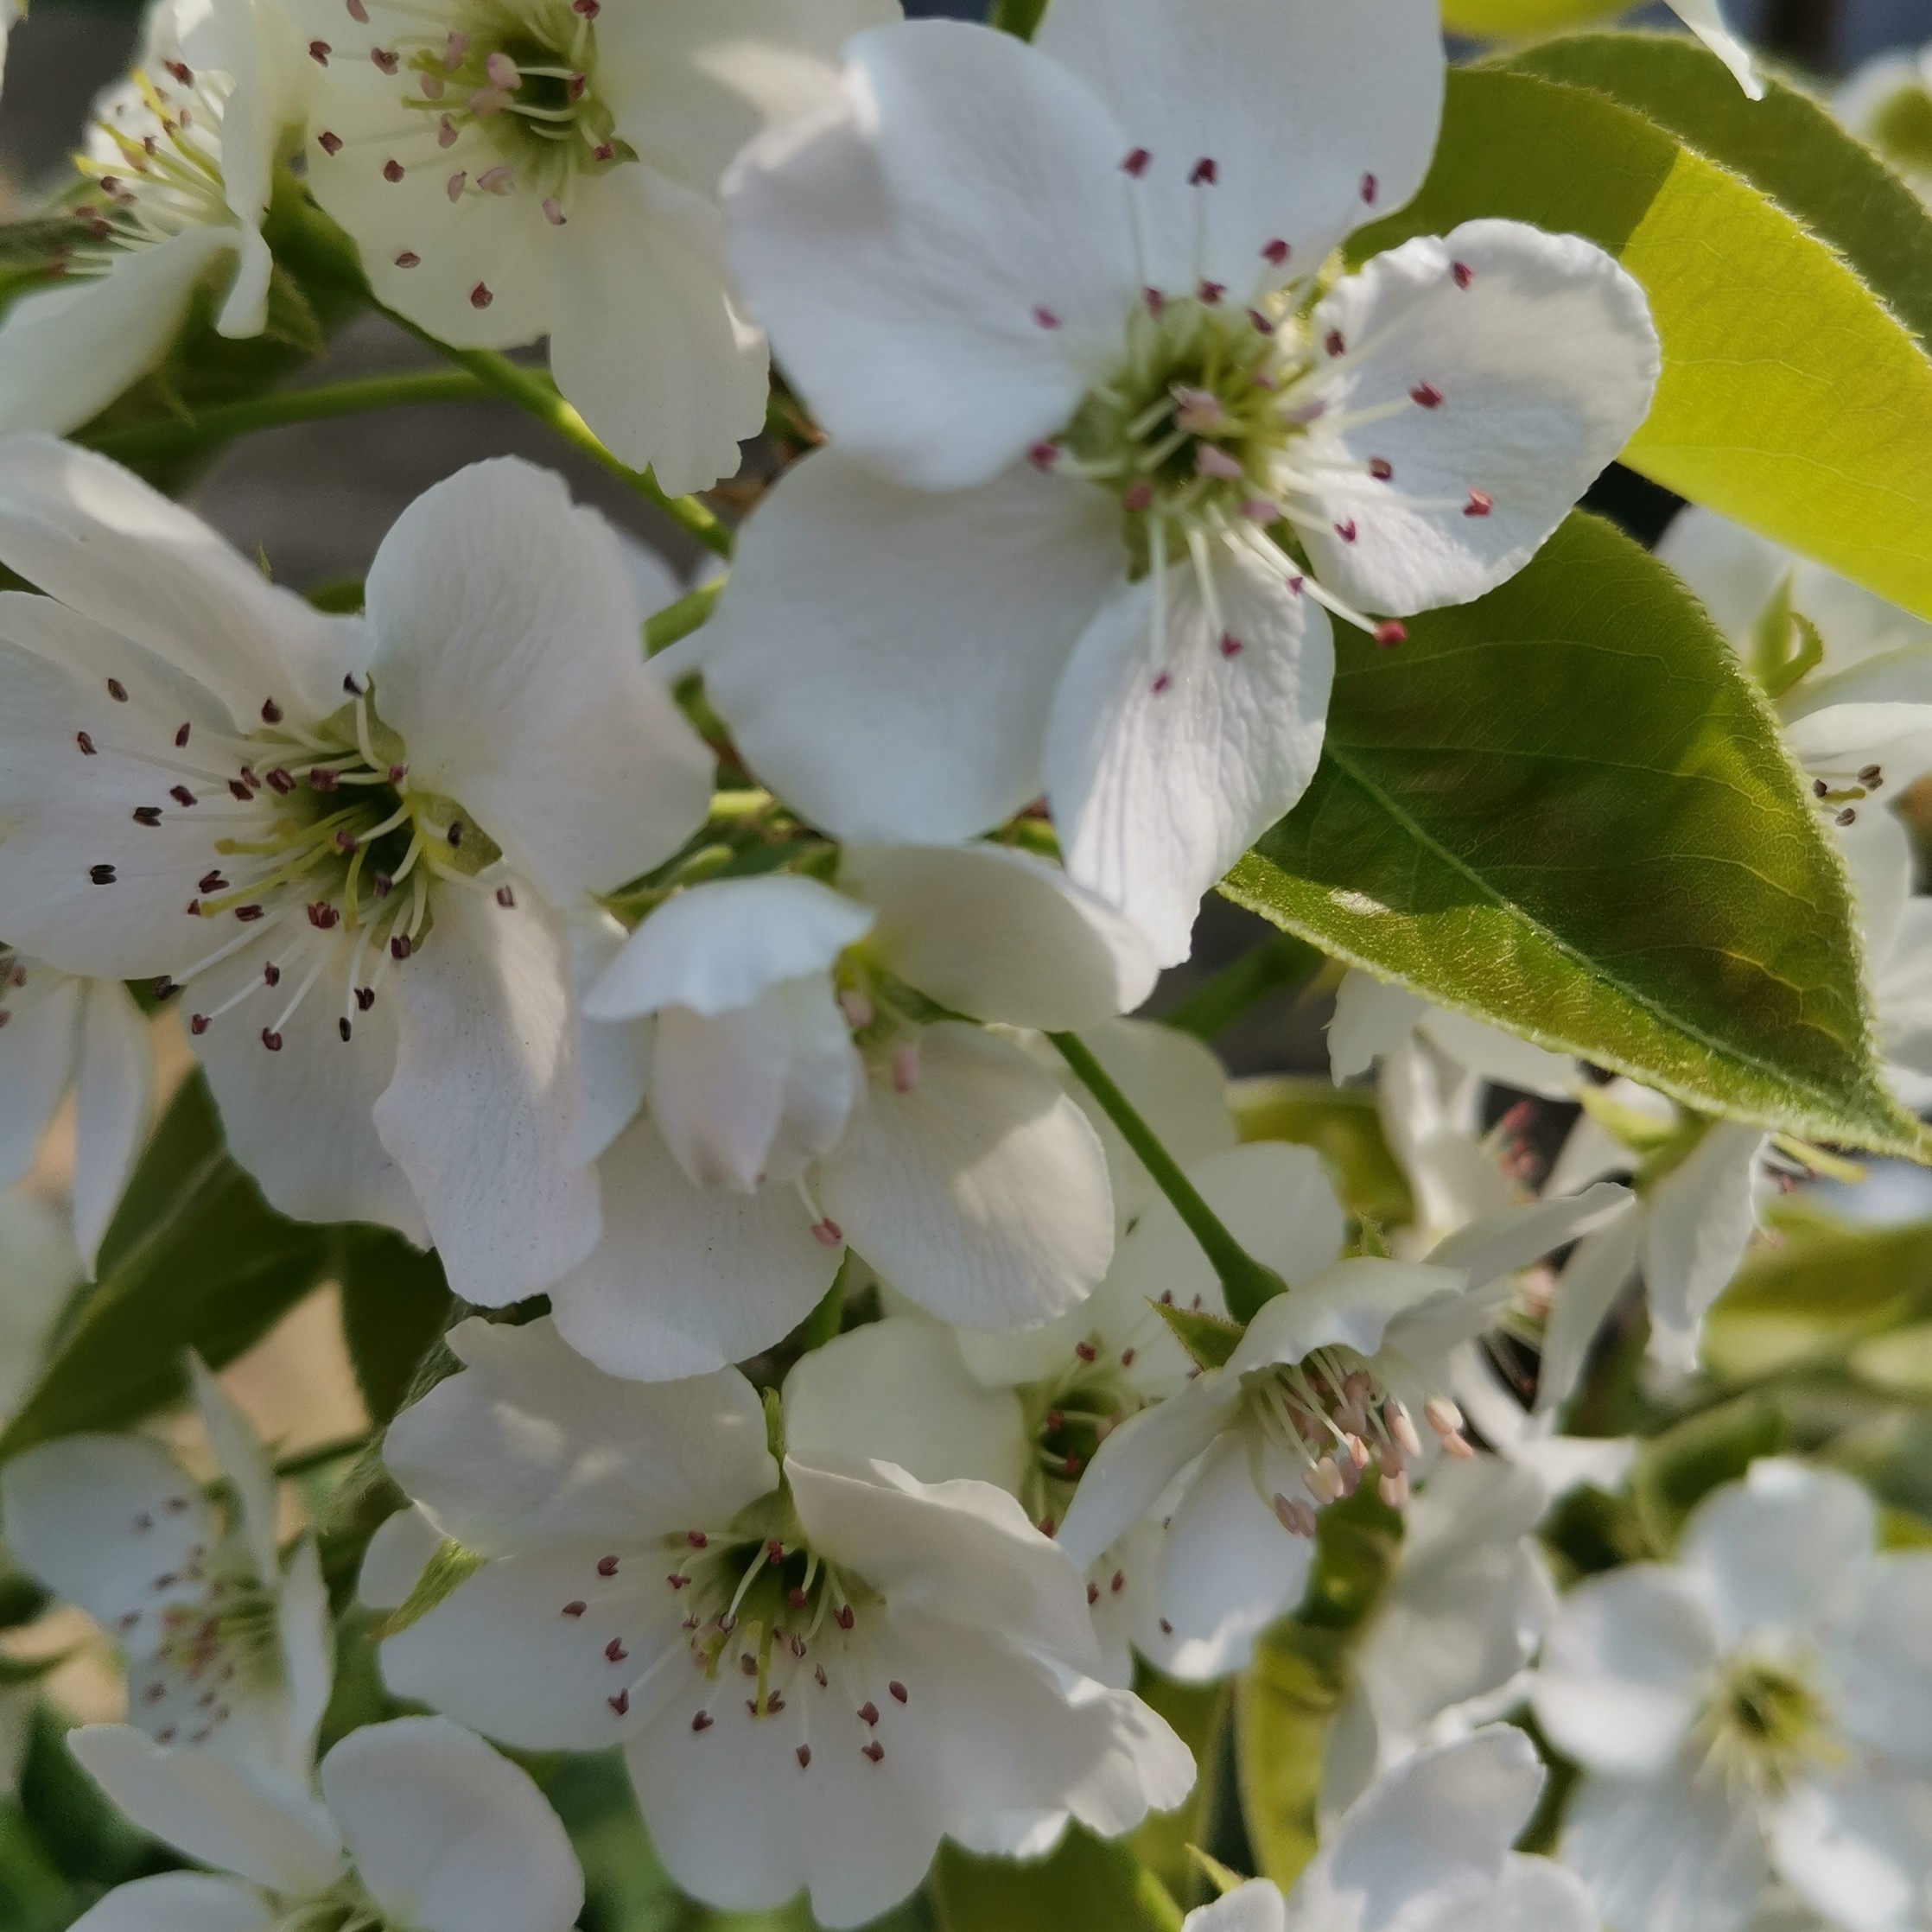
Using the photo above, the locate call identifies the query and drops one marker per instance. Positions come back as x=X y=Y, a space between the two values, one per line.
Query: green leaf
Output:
x=1208 y=1338
x=1677 y=1470
x=1285 y=1699
x=1342 y=1124
x=1787 y=146
x=195 y=1259
x=1791 y=398
x=1506 y=19
x=396 y=1304
x=1087 y=1885
x=1566 y=809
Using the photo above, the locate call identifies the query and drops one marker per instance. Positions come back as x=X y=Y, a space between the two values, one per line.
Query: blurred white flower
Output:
x=1887 y=103
x=816 y=1670
x=1761 y=1707
x=1101 y=477
x=420 y=1825
x=352 y=845
x=182 y=159
x=551 y=168
x=225 y=1645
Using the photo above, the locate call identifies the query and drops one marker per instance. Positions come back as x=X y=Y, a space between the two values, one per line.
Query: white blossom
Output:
x=1426 y=1849
x=514 y=168
x=817 y=1669
x=181 y=162
x=419 y=1824
x=1102 y=459
x=349 y=846
x=38 y=1270
x=226 y=1645
x=811 y=1084
x=1887 y=102
x=1759 y=1707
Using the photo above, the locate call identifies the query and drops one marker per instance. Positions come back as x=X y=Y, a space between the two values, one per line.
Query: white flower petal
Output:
x=1880 y=1658
x=179 y=1901
x=1544 y=355
x=397 y=1556
x=918 y=712
x=1706 y=22
x=944 y=260
x=447 y=1836
x=614 y=1060
x=532 y=1442
x=681 y=379
x=69 y=349
x=898 y=1391
x=1665 y=1854
x=1188 y=722
x=244 y=1464
x=962 y=1551
x=1783 y=1551
x=39 y=1046
x=719 y=946
x=1623 y=1670
x=1734 y=571
x=113 y=1102
x=1702 y=1216
x=1512 y=1237
x=688 y=1280
x=508 y=659
x=1856 y=1847
x=1316 y=120
x=258 y=1823
x=1532 y=1895
x=95 y=535
x=1253 y=1907
x=998 y=934
x=480 y=1113
x=1587 y=1289
x=1372 y=1017
x=1352 y=1303
x=981 y=1192
x=307 y=1644
x=1502 y=1056
x=39 y=1264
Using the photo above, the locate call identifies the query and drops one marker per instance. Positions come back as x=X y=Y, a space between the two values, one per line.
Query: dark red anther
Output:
x=324 y=778
x=180 y=738
x=344 y=841
x=329 y=143
x=796 y=1598
x=85 y=743
x=621 y=1703
x=248 y=915
x=211 y=882
x=1232 y=646
x=1161 y=683
x=271 y=1040
x=702 y=1721
x=1093 y=1595
x=1464 y=274
x=1345 y=530
x=1389 y=634
x=454 y=835
x=481 y=296
x=1043 y=455
x=1368 y=190
x=147 y=815
x=180 y=795
x=399 y=946
x=238 y=789
x=364 y=998
x=1382 y=469
x=615 y=1651
x=271 y=712
x=1136 y=162
x=1333 y=342
x=344 y=1028
x=383 y=59
x=1085 y=1351
x=279 y=780
x=165 y=988
x=408 y=259
x=575 y=1607
x=392 y=171
x=843 y=1617
x=116 y=690
x=1211 y=292
x=1157 y=302
x=697 y=1539
x=869 y=1712
x=322 y=915
x=804 y=1755
x=874 y=1751
x=1275 y=253
x=606 y=1565
x=898 y=1690
x=506 y=898
x=198 y=1024
x=1204 y=170
x=1127 y=1358
x=1479 y=504
x=271 y=974
x=1044 y=316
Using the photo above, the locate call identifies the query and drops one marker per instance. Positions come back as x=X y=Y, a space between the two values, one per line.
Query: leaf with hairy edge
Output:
x=1791 y=399
x=1209 y=1339
x=1565 y=808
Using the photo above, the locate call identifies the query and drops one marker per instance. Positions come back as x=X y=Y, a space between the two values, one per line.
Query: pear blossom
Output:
x=1757 y=1707
x=349 y=846
x=551 y=168
x=1428 y=1845
x=226 y=1646
x=1104 y=456
x=816 y=1666
x=60 y=1035
x=1029 y=1411
x=179 y=166
x=420 y=1825
x=811 y=1083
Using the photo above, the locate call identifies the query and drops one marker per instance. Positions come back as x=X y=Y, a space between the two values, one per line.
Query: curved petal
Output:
x=1353 y=1303
x=1704 y=19
x=1702 y=1216
x=688 y=1280
x=447 y=1836
x=179 y=1901
x=1856 y=1848
x=898 y=1391
x=480 y=1114
x=1785 y=1551
x=38 y=1262
x=39 y=1044
x=1592 y=1279
x=1623 y=1668
x=69 y=351
x=919 y=711
x=95 y=535
x=1542 y=352
x=1253 y=1907
x=981 y=1193
x=1502 y=1056
x=1880 y=1658
x=1372 y=1017
x=944 y=258
x=244 y=1465
x=531 y=1443
x=257 y=1823
x=113 y=1103
x=645 y=337
x=1190 y=720
x=307 y=1644
x=1512 y=1237
x=1316 y=119
x=397 y=1556
x=998 y=934
x=507 y=658
x=614 y=1060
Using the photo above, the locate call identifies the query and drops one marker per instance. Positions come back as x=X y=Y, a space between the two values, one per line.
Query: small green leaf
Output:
x=1208 y=1338
x=1677 y=1470
x=1566 y=809
x=197 y=1261
x=450 y=1565
x=396 y=1304
x=1792 y=398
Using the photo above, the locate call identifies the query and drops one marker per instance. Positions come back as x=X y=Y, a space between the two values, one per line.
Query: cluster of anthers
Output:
x=1331 y=1414
x=1761 y=1726
x=1838 y=795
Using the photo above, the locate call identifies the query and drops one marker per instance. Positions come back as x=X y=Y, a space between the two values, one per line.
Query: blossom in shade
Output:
x=1104 y=459
x=817 y=1668
x=347 y=848
x=226 y=1645
x=419 y=1824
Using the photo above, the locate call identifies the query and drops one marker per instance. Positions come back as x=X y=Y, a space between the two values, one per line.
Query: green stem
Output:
x=680 y=620
x=320 y=1456
x=144 y=441
x=1281 y=960
x=1156 y=1902
x=533 y=391
x=1246 y=1283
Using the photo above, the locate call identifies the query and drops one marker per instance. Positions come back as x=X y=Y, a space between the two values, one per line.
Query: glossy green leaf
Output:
x=1564 y=807
x=195 y=1259
x=1791 y=398
x=1787 y=145
x=1509 y=19
x=1087 y=1885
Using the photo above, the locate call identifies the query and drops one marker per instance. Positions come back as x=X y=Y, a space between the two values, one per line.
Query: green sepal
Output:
x=1210 y=1340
